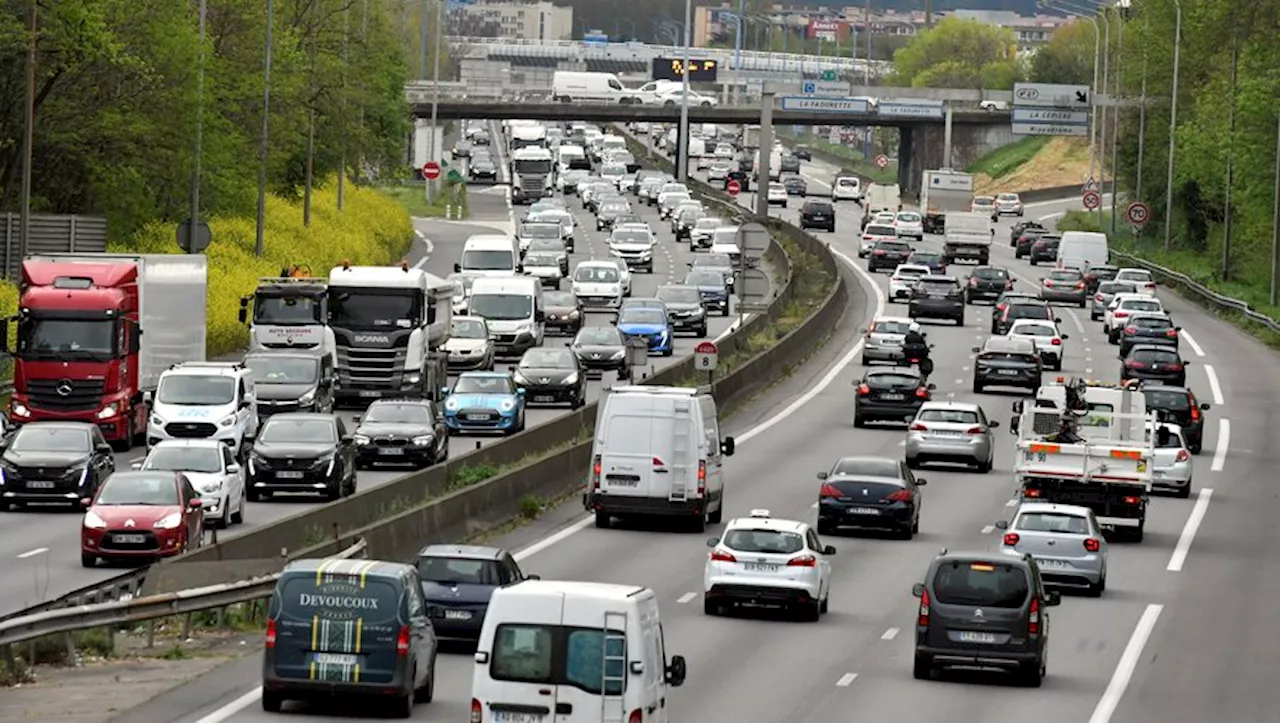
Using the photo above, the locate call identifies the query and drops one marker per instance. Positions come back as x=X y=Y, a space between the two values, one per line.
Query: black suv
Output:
x=987 y=283
x=818 y=214
x=937 y=297
x=1180 y=406
x=1006 y=362
x=1044 y=249
x=888 y=255
x=982 y=610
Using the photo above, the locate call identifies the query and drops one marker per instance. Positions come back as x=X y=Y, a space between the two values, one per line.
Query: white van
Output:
x=572 y=157
x=512 y=306
x=489 y=255
x=657 y=452
x=205 y=400
x=571 y=86
x=1082 y=250
x=550 y=647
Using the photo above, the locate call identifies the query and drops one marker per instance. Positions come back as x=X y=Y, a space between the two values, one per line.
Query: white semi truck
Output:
x=289 y=313
x=532 y=175
x=941 y=192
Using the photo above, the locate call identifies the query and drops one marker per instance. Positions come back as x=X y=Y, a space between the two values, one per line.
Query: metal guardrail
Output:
x=120 y=587
x=83 y=617
x=1207 y=296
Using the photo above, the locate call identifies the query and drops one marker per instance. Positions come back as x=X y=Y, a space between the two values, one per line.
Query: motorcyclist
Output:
x=914 y=346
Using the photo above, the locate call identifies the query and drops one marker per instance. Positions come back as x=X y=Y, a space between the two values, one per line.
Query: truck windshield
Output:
x=286 y=310
x=374 y=308
x=533 y=167
x=197 y=390
x=269 y=369
x=66 y=338
x=487 y=260
x=502 y=307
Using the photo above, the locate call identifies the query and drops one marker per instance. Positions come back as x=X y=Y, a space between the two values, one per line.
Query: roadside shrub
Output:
x=371 y=230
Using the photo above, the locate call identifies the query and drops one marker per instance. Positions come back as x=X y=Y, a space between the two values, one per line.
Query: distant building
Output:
x=512 y=19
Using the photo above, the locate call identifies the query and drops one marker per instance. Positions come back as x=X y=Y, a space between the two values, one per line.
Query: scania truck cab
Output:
x=289 y=314
x=532 y=174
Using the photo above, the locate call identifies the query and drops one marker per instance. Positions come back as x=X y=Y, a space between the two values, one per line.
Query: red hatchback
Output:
x=141 y=515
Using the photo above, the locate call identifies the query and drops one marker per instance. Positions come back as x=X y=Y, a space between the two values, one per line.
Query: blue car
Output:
x=649 y=323
x=484 y=402
x=457 y=582
x=712 y=288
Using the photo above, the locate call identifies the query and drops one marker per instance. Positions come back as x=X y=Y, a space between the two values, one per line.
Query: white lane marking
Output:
x=33 y=553
x=987 y=530
x=1076 y=320
x=813 y=506
x=1186 y=336
x=431 y=247
x=1214 y=386
x=686 y=597
x=1188 y=535
x=1087 y=370
x=234 y=707
x=889 y=634
x=1220 y=451
x=1011 y=503
x=846 y=680
x=1128 y=663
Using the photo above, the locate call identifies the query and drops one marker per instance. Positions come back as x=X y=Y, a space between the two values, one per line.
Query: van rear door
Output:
x=518 y=683
x=598 y=640
x=635 y=456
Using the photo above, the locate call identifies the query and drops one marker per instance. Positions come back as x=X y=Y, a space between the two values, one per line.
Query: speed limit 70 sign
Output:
x=1137 y=214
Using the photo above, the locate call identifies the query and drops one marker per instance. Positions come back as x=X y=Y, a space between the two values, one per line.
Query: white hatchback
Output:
x=904 y=280
x=1045 y=336
x=765 y=561
x=909 y=225
x=213 y=471
x=1140 y=278
x=777 y=194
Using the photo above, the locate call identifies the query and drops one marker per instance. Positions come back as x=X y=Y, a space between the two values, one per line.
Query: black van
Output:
x=340 y=627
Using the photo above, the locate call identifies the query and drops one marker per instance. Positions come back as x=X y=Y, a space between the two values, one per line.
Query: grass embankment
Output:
x=1006 y=159
x=851 y=159
x=450 y=201
x=1032 y=163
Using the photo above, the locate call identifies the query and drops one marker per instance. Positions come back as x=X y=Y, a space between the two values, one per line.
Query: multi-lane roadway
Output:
x=1181 y=634
x=40 y=549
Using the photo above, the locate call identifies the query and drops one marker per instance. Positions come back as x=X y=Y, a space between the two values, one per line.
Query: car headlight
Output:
x=699 y=313
x=451 y=404
x=507 y=405
x=156 y=419
x=93 y=521
x=227 y=421
x=519 y=378
x=620 y=353
x=324 y=459
x=615 y=289
x=170 y=521
x=308 y=398
x=360 y=439
x=20 y=410
x=108 y=411
x=423 y=441
x=574 y=314
x=571 y=379
x=210 y=488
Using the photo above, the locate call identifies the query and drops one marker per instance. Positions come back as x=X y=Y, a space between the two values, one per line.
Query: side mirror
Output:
x=676 y=671
x=822 y=475
x=533 y=577
x=1017 y=407
x=1002 y=524
x=1015 y=425
x=713 y=541
x=457 y=268
x=931 y=387
x=86 y=502
x=245 y=403
x=539 y=316
x=917 y=590
x=244 y=314
x=520 y=391
x=1057 y=320
x=1177 y=328
x=148 y=398
x=104 y=449
x=233 y=468
x=1204 y=407
x=728 y=446
x=1054 y=599
x=1064 y=336
x=446 y=390
x=993 y=424
x=828 y=550
x=976 y=349
x=511 y=369
x=195 y=503
x=1186 y=363
x=347 y=439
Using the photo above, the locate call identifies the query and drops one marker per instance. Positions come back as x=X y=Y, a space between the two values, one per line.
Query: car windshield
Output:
x=911 y=271
x=982 y=584
x=469 y=329
x=642 y=316
x=459 y=570
x=679 y=294
x=1155 y=356
x=704 y=278
x=1029 y=311
x=991 y=274
x=139 y=489
x=1052 y=522
x=929 y=285
x=547 y=244
x=1065 y=275
x=541 y=259
x=1103 y=273
x=763 y=541
x=891 y=327
x=892 y=379
x=983 y=201
x=559 y=298
x=68 y=338
x=1008 y=197
x=948 y=416
x=1141 y=305
x=1160 y=399
x=925 y=257
x=547 y=359
x=196 y=390
x=1034 y=330
x=280 y=430
x=596 y=274
x=487 y=260
x=38 y=438
x=1151 y=322
x=599 y=336
x=540 y=230
x=397 y=413
x=1141 y=277
x=865 y=467
x=502 y=307
x=207 y=460
x=878 y=230
x=269 y=369
x=909 y=217
x=484 y=385
x=632 y=236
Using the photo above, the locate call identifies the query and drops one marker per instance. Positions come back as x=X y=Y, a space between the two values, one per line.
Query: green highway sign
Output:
x=828 y=75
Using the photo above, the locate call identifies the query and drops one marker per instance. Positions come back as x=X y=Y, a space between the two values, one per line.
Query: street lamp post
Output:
x=432 y=151
x=28 y=131
x=1093 y=107
x=737 y=35
x=1173 y=126
x=195 y=161
x=1115 y=113
x=260 y=230
x=682 y=169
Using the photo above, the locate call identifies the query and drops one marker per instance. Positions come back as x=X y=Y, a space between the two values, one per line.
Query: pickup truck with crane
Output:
x=290 y=313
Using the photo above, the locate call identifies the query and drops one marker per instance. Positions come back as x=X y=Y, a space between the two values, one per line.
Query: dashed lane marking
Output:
x=1214 y=386
x=1128 y=663
x=686 y=597
x=1012 y=503
x=1191 y=341
x=889 y=634
x=846 y=680
x=988 y=529
x=1220 y=450
x=33 y=553
x=1179 y=557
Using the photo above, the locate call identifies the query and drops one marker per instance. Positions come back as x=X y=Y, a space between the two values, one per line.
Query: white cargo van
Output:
x=657 y=452
x=1082 y=250
x=512 y=306
x=571 y=86
x=489 y=255
x=583 y=651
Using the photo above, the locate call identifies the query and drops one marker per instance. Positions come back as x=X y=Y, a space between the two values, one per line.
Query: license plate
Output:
x=391 y=452
x=39 y=484
x=289 y=475
x=759 y=567
x=130 y=539
x=865 y=511
x=368 y=393
x=949 y=435
x=1009 y=372
x=1159 y=474
x=1052 y=563
x=457 y=615
x=478 y=417
x=968 y=636
x=892 y=397
x=335 y=659
x=544 y=398
x=500 y=716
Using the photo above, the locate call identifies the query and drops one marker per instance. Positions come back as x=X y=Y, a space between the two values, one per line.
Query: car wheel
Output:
x=809 y=612
x=984 y=467
x=272 y=702
x=1183 y=493
x=87 y=560
x=710 y=607
x=977 y=387
x=427 y=692
x=913 y=463
x=402 y=706
x=1095 y=589
x=923 y=667
x=1032 y=675
x=858 y=421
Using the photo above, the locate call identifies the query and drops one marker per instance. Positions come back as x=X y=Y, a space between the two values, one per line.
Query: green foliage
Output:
x=1006 y=159
x=851 y=159
x=1068 y=56
x=412 y=197
x=959 y=53
x=467 y=475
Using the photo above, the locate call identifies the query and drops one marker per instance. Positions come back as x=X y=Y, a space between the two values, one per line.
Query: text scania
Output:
x=371 y=339
x=343 y=602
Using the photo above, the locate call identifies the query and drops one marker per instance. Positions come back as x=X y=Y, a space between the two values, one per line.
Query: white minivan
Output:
x=588 y=652
x=657 y=453
x=205 y=400
x=1082 y=250
x=490 y=255
x=571 y=86
x=512 y=306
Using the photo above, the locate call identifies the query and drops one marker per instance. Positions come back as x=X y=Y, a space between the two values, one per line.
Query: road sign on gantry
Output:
x=1138 y=214
x=706 y=355
x=1091 y=200
x=431 y=170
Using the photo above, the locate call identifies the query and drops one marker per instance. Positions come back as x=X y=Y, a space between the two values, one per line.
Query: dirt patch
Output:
x=1062 y=162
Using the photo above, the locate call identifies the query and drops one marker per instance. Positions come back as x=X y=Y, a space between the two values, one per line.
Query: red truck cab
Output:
x=76 y=356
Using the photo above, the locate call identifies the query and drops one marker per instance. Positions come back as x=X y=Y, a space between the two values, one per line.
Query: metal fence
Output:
x=50 y=234
x=1202 y=294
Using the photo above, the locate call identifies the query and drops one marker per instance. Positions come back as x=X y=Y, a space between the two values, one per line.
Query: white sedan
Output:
x=765 y=560
x=1046 y=337
x=1141 y=278
x=676 y=97
x=909 y=225
x=777 y=195
x=213 y=471
x=904 y=280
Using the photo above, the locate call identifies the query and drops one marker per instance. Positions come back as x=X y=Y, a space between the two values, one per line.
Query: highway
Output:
x=41 y=547
x=1180 y=634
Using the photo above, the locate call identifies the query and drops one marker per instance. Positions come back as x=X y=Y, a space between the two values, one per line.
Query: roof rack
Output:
x=232 y=366
x=669 y=391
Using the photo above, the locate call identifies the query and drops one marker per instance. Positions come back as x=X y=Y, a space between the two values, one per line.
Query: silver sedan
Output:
x=1065 y=540
x=956 y=432
x=1065 y=286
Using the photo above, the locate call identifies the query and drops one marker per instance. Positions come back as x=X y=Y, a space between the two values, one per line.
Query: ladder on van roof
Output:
x=613 y=657
x=682 y=451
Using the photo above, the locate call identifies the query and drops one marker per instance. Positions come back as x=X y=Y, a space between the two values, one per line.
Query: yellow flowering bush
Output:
x=371 y=230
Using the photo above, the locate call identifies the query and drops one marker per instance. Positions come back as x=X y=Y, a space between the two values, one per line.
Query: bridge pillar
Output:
x=906 y=154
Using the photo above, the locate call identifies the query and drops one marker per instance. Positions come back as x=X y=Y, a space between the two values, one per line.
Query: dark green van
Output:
x=338 y=628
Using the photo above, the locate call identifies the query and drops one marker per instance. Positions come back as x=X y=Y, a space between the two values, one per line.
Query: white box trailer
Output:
x=943 y=191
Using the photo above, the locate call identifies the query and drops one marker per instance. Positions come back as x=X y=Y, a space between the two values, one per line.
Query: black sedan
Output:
x=600 y=349
x=457 y=583
x=1153 y=363
x=889 y=395
x=1025 y=240
x=1179 y=406
x=795 y=186
x=302 y=452
x=818 y=214
x=58 y=462
x=888 y=255
x=401 y=431
x=483 y=169
x=790 y=164
x=1020 y=228
x=936 y=262
x=804 y=153
x=551 y=376
x=1044 y=250
x=1155 y=329
x=987 y=283
x=684 y=309
x=564 y=312
x=869 y=493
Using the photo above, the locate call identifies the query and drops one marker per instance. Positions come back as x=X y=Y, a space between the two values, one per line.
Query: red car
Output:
x=141 y=515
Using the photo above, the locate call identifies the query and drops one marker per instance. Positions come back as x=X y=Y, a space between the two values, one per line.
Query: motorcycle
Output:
x=923 y=363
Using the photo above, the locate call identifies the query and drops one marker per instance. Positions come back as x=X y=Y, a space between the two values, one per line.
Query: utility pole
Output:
x=432 y=152
x=258 y=242
x=1115 y=116
x=199 y=151
x=28 y=131
x=1102 y=129
x=866 y=72
x=422 y=21
x=1275 y=222
x=682 y=154
x=342 y=156
x=1142 y=123
x=1173 y=126
x=1231 y=149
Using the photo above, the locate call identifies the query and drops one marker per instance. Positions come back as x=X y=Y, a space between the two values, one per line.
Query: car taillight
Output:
x=922 y=392
x=722 y=556
x=1011 y=538
x=1131 y=330
x=864 y=389
x=1171 y=333
x=1195 y=413
x=1079 y=284
x=1031 y=493
x=1097 y=297
x=1048 y=282
x=477 y=712
x=1173 y=367
x=829 y=490
x=1008 y=285
x=866 y=238
x=973 y=281
x=918 y=427
x=1056 y=341
x=1092 y=545
x=271 y=633
x=636 y=716
x=922 y=617
x=803 y=561
x=1133 y=500
x=595 y=473
x=878 y=253
x=1135 y=365
x=899 y=496
x=975 y=430
x=402 y=642
x=1121 y=314
x=702 y=478
x=1033 y=617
